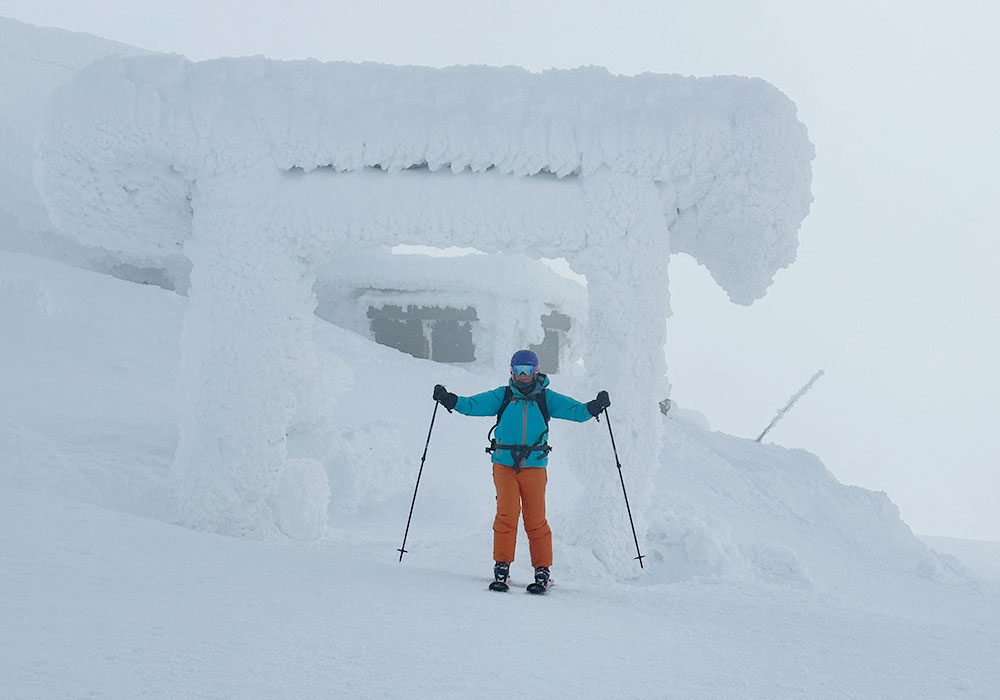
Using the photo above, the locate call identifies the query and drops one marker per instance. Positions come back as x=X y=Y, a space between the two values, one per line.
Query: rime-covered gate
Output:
x=249 y=169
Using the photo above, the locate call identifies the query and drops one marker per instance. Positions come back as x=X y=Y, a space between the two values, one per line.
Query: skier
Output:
x=519 y=446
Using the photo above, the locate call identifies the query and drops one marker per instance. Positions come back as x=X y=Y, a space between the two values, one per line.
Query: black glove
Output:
x=599 y=404
x=444 y=397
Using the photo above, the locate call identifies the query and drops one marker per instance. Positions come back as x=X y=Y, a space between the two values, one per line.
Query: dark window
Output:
x=555 y=325
x=438 y=333
x=451 y=341
x=404 y=335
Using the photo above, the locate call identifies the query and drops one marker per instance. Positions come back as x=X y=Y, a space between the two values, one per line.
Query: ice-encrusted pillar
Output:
x=245 y=353
x=627 y=282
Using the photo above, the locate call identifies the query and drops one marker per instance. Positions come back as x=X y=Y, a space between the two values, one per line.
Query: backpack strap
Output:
x=508 y=394
x=543 y=405
x=521 y=452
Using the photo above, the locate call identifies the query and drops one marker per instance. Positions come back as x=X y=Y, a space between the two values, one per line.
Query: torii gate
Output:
x=263 y=170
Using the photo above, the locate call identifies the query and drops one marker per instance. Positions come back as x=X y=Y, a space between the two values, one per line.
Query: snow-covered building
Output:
x=304 y=176
x=433 y=306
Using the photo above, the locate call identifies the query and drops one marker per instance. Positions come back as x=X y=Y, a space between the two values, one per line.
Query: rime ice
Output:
x=248 y=181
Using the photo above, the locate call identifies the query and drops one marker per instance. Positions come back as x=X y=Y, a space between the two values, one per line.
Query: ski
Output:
x=536 y=588
x=499 y=586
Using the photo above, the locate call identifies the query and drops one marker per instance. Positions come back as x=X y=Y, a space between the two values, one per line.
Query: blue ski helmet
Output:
x=524 y=357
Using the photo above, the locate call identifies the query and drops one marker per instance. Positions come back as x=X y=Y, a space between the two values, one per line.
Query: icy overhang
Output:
x=128 y=141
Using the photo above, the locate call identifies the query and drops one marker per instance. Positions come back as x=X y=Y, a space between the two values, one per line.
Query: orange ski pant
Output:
x=517 y=491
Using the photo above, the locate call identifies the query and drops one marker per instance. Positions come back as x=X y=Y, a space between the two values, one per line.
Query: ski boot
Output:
x=542 y=580
x=501 y=570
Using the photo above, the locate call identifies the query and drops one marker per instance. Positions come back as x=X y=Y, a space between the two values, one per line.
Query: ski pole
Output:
x=627 y=508
x=402 y=548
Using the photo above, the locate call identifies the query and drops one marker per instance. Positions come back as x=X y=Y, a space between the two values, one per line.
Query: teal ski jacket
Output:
x=522 y=423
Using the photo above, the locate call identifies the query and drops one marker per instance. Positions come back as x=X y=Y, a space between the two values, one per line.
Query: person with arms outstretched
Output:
x=519 y=448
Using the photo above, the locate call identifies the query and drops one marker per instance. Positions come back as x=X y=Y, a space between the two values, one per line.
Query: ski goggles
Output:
x=522 y=369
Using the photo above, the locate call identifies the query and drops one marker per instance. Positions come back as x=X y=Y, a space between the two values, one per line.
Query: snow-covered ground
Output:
x=104 y=597
x=764 y=576
x=99 y=604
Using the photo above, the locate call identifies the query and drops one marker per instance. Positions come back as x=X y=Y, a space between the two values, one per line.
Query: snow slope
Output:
x=981 y=557
x=113 y=606
x=764 y=578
